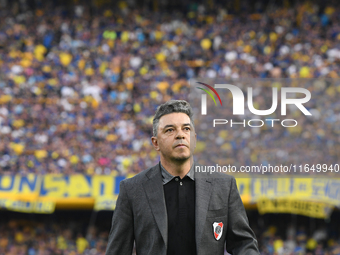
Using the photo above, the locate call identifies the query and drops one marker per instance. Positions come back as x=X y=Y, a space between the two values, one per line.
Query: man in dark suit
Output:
x=169 y=209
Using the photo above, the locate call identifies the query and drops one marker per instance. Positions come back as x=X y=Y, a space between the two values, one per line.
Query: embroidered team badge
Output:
x=218 y=230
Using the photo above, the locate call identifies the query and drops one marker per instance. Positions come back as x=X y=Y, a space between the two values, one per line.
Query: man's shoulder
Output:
x=142 y=176
x=222 y=178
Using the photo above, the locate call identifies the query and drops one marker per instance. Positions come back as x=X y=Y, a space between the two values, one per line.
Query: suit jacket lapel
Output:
x=153 y=187
x=203 y=193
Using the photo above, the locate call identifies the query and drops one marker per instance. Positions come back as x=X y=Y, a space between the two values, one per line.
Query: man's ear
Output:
x=154 y=142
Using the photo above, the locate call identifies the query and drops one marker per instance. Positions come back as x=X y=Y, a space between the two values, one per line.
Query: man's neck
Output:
x=177 y=169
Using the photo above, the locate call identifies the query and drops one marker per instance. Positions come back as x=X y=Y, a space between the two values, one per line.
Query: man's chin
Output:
x=181 y=158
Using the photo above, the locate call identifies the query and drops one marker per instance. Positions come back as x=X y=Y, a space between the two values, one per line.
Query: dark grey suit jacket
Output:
x=141 y=216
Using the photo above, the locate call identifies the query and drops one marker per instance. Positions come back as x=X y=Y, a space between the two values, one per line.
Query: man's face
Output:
x=176 y=138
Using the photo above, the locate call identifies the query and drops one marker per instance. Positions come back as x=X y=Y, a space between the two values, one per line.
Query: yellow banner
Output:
x=312 y=189
x=302 y=207
x=100 y=192
x=42 y=194
x=105 y=203
x=27 y=207
x=58 y=186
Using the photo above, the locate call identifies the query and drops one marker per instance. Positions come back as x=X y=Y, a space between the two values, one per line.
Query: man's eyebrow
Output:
x=187 y=124
x=171 y=125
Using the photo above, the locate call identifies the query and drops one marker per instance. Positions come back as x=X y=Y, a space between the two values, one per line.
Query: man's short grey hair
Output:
x=171 y=107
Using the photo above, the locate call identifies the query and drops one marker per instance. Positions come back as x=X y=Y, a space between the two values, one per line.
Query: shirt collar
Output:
x=167 y=177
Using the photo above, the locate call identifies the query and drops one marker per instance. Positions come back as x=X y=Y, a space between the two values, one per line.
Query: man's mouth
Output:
x=180 y=145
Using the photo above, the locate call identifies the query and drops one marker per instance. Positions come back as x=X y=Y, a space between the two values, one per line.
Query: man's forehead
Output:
x=177 y=118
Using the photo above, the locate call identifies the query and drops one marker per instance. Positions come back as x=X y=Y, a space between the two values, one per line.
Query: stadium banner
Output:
x=44 y=193
x=105 y=203
x=27 y=206
x=312 y=189
x=295 y=206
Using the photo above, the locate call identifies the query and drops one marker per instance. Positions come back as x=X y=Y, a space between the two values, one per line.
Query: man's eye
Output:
x=169 y=129
x=187 y=128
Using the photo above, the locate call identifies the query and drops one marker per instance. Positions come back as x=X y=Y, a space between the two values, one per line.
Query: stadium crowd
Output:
x=22 y=237
x=70 y=237
x=78 y=88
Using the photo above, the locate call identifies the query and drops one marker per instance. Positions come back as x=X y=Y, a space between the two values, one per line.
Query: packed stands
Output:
x=79 y=86
x=69 y=232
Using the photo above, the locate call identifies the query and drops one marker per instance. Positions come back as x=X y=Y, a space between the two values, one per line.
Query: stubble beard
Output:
x=180 y=159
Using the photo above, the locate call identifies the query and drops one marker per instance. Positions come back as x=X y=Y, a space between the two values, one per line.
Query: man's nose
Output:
x=180 y=134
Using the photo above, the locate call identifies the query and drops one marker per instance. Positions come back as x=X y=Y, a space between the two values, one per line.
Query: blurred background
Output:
x=80 y=82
